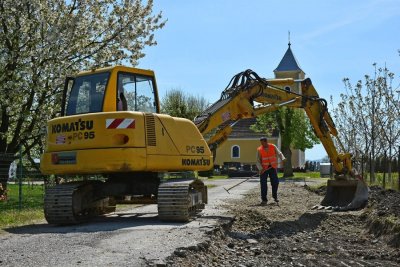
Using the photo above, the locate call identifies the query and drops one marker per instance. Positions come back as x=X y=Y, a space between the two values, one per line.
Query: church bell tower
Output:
x=290 y=68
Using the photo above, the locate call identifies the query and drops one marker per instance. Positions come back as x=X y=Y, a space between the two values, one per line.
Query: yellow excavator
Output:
x=110 y=126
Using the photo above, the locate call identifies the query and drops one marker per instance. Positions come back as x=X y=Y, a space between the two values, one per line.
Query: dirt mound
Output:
x=291 y=234
x=385 y=202
x=383 y=215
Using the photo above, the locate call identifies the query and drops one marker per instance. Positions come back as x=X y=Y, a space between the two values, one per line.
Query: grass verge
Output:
x=13 y=218
x=14 y=212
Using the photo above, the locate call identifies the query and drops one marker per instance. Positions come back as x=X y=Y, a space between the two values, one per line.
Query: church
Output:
x=239 y=150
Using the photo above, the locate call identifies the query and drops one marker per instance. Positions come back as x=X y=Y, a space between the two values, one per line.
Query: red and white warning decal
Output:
x=120 y=123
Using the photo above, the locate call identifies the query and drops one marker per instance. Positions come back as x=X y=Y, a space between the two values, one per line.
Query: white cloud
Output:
x=361 y=13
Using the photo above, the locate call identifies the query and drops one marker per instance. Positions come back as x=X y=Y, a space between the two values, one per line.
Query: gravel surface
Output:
x=132 y=236
x=291 y=234
x=233 y=230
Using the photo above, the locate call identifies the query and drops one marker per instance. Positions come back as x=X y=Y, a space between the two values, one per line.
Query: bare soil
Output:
x=292 y=234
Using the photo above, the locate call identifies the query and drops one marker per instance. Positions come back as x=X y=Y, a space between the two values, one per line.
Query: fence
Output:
x=380 y=171
x=21 y=183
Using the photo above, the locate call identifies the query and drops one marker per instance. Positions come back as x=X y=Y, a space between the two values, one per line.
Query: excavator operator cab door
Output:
x=135 y=93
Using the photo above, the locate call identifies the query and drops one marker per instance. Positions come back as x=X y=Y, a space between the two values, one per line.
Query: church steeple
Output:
x=288 y=62
x=289 y=68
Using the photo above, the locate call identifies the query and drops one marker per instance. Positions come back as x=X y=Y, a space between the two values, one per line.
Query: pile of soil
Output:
x=382 y=215
x=292 y=234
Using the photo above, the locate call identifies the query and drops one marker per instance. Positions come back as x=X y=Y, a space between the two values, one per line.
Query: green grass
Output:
x=31 y=206
x=13 y=218
x=389 y=184
x=218 y=177
x=296 y=175
x=302 y=175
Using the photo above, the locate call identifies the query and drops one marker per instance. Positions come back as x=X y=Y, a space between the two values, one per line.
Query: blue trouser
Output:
x=273 y=177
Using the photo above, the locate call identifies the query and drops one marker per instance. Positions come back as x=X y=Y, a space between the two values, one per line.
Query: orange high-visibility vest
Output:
x=268 y=157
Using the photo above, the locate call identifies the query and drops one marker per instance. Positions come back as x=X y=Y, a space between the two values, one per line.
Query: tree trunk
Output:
x=398 y=170
x=5 y=161
x=287 y=167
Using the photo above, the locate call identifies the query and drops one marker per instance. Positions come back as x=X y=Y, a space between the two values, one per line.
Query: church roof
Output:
x=288 y=62
x=241 y=130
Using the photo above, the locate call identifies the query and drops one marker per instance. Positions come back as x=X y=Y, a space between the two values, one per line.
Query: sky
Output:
x=205 y=43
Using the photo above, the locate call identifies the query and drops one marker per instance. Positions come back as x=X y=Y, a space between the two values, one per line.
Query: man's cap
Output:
x=263 y=138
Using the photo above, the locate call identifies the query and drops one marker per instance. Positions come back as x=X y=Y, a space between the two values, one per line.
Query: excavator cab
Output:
x=110 y=89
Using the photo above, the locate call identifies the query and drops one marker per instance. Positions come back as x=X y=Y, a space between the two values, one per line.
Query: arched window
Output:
x=287 y=88
x=235 y=151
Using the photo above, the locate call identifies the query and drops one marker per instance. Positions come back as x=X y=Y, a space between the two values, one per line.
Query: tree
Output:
x=196 y=105
x=43 y=41
x=178 y=104
x=295 y=131
x=174 y=103
x=367 y=117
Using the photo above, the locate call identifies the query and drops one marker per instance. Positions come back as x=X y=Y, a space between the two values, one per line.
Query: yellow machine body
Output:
x=123 y=141
x=84 y=144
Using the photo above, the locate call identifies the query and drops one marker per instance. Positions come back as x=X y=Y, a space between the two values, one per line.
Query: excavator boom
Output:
x=248 y=95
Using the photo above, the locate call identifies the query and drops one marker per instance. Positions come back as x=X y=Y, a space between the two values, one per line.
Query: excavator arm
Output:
x=248 y=95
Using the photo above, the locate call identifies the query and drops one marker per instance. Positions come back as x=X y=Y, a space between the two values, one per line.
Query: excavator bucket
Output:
x=346 y=194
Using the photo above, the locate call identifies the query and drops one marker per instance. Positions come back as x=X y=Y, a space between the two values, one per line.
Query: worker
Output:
x=267 y=164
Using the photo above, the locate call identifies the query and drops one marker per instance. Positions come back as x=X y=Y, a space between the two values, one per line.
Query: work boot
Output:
x=264 y=203
x=276 y=200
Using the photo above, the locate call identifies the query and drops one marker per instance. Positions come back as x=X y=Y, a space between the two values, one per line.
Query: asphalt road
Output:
x=134 y=237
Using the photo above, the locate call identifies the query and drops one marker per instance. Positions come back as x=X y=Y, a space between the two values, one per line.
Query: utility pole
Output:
x=372 y=159
x=398 y=151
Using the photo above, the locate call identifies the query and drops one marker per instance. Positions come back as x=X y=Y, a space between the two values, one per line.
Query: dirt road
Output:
x=233 y=230
x=132 y=237
x=291 y=234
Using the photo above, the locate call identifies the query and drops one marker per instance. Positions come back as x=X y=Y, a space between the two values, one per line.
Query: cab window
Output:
x=87 y=94
x=136 y=93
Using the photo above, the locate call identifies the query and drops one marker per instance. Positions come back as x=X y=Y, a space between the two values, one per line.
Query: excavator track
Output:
x=72 y=203
x=180 y=201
